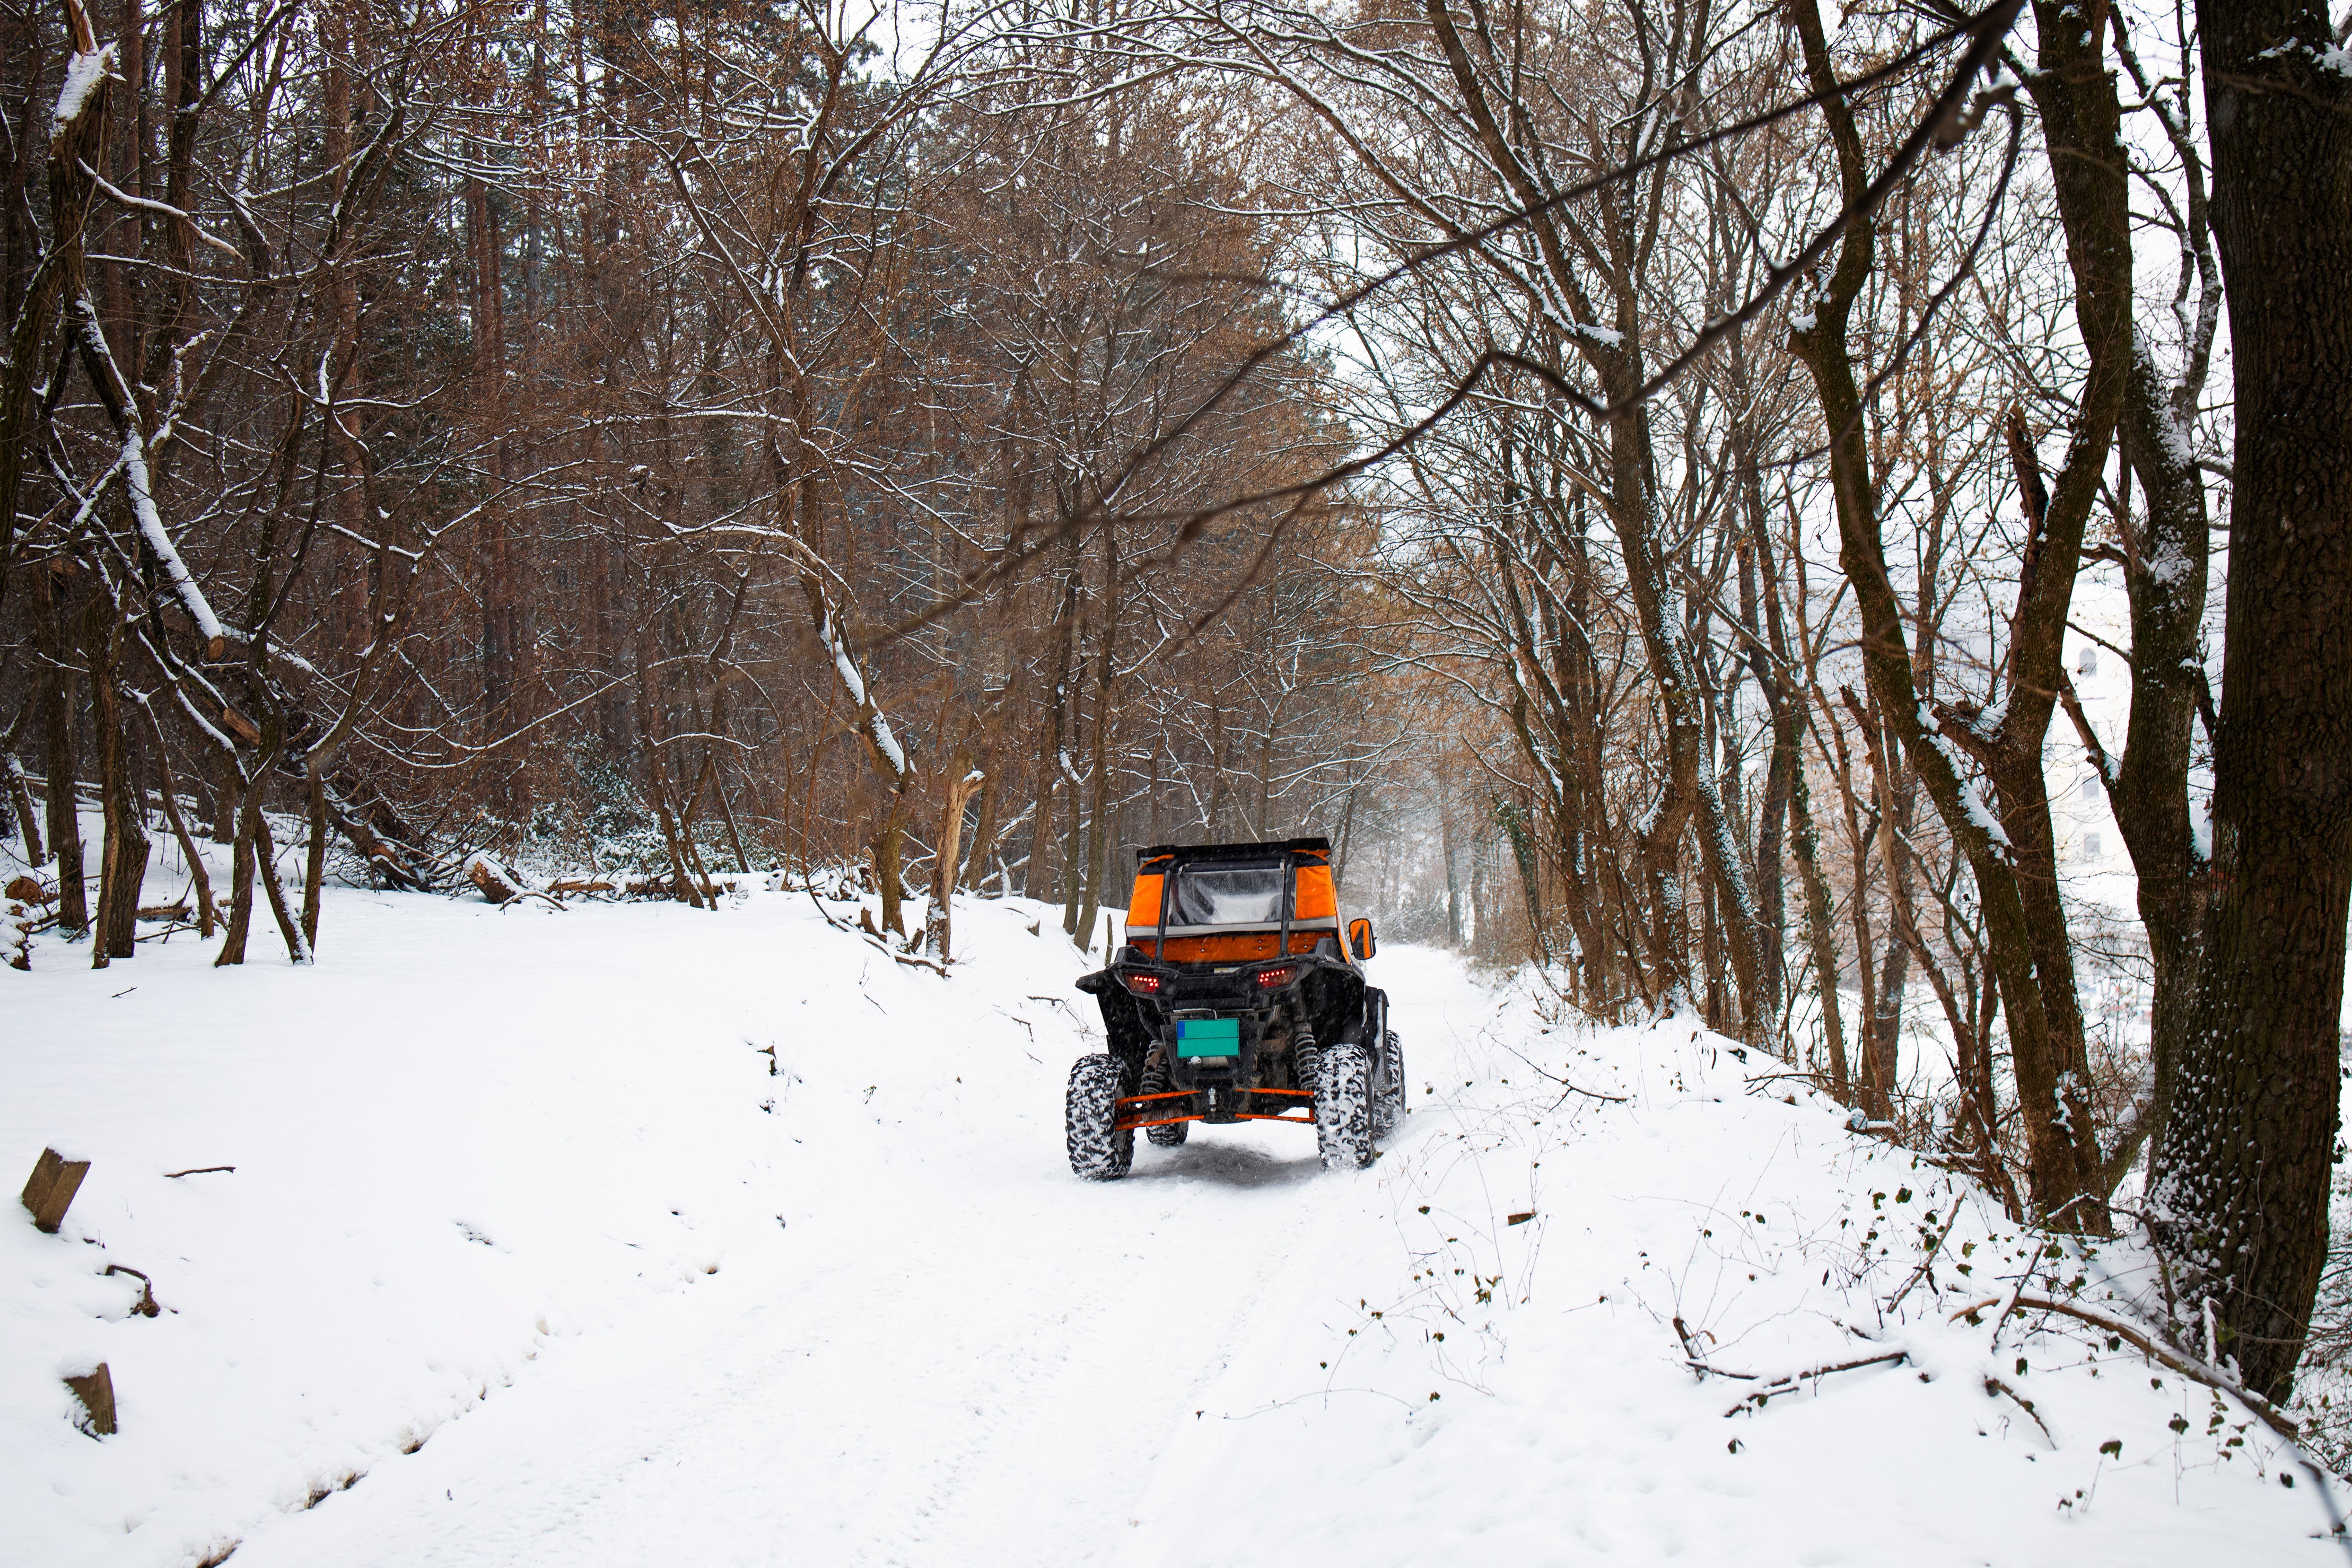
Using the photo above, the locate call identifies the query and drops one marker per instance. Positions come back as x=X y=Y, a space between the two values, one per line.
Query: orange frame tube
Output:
x=1129 y=1126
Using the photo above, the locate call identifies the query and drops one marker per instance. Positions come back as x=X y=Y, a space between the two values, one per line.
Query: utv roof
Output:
x=1316 y=846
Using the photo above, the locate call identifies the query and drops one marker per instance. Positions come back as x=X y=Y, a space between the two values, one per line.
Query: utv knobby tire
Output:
x=1343 y=1107
x=1388 y=1099
x=1155 y=1082
x=1089 y=1114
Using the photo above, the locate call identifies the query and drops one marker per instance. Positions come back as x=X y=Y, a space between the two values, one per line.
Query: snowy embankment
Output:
x=532 y=1256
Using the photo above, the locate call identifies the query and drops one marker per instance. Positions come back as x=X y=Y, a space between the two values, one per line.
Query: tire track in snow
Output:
x=989 y=1378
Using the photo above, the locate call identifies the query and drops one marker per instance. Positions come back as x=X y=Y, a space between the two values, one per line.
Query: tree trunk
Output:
x=72 y=148
x=1866 y=1081
x=60 y=762
x=240 y=887
x=314 y=860
x=265 y=868
x=1452 y=868
x=253 y=854
x=1104 y=779
x=986 y=827
x=2245 y=1147
x=1880 y=1065
x=122 y=855
x=939 y=926
x=672 y=837
x=2165 y=570
x=198 y=874
x=889 y=862
x=20 y=801
x=1819 y=928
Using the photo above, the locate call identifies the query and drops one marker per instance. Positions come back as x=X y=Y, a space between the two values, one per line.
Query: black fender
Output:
x=1131 y=1034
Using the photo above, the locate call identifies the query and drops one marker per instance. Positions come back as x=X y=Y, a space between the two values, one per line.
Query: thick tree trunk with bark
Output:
x=2245 y=1149
x=122 y=854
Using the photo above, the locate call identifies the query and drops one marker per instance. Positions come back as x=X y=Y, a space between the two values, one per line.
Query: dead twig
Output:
x=1588 y=1094
x=199 y=1170
x=1796 y=1380
x=1572 y=1088
x=1696 y=1359
x=1995 y=1386
x=1928 y=1261
x=2002 y=1321
x=911 y=960
x=146 y=1307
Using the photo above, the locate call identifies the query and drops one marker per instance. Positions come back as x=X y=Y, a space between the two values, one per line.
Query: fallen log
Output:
x=665 y=887
x=497 y=885
x=389 y=860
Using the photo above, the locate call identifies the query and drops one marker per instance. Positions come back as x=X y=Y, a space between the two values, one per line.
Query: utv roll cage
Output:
x=1160 y=877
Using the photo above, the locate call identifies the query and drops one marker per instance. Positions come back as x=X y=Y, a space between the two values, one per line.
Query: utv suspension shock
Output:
x=1304 y=1055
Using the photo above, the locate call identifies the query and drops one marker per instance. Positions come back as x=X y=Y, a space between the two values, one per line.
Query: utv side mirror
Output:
x=1360 y=939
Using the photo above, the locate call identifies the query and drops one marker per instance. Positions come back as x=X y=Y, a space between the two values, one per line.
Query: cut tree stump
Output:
x=54 y=1182
x=96 y=1392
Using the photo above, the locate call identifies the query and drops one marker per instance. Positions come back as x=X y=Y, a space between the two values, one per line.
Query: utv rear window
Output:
x=1227 y=895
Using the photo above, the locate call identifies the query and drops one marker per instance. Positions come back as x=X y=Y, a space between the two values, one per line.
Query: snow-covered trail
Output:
x=977 y=1361
x=530 y=1258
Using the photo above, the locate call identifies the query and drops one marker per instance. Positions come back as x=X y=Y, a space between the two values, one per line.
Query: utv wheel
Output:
x=1091 y=1111
x=1387 y=1095
x=1343 y=1109
x=1155 y=1082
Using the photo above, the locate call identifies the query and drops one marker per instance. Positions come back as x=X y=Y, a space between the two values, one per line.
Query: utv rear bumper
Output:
x=1216 y=1104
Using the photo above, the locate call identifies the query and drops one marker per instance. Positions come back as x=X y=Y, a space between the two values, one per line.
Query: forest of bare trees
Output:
x=1650 y=480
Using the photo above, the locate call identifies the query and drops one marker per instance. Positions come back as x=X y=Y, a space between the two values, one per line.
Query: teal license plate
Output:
x=1208 y=1037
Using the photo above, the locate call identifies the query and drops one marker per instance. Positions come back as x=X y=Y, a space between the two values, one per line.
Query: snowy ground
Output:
x=530 y=1259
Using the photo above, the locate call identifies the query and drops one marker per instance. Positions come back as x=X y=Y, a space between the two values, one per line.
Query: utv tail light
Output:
x=1144 y=985
x=1269 y=978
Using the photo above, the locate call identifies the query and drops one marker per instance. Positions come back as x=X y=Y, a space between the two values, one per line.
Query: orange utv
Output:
x=1239 y=996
